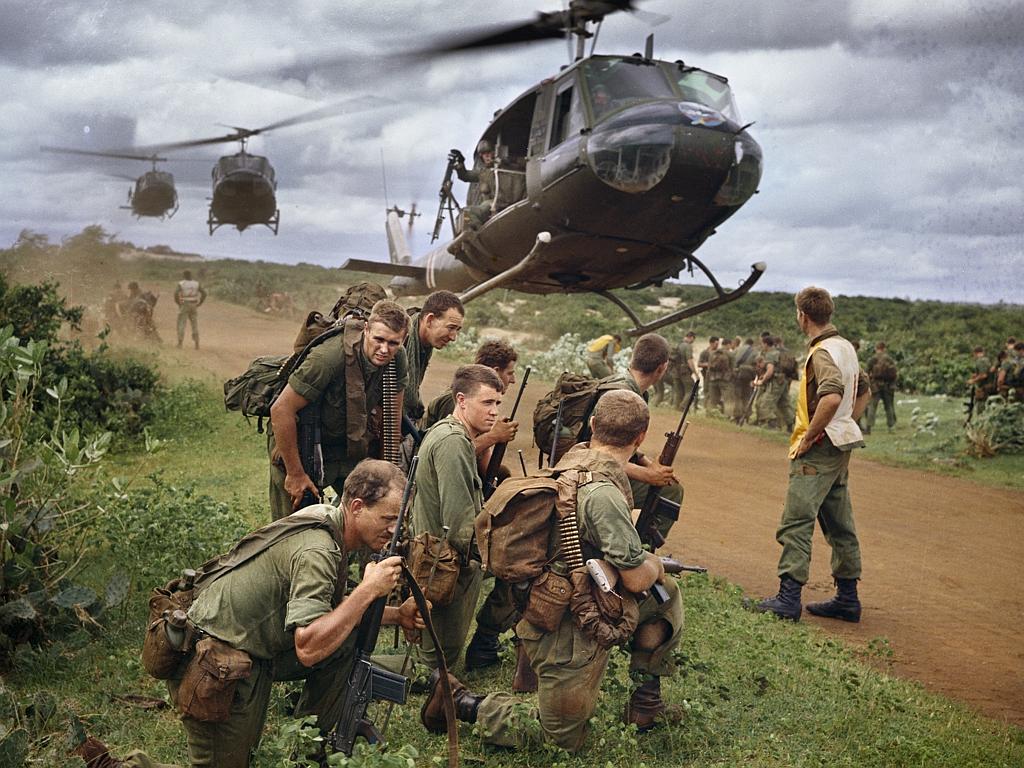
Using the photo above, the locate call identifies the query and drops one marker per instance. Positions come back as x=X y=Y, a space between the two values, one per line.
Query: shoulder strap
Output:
x=356 y=431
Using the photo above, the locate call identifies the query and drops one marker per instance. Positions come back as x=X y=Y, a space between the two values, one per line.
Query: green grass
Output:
x=754 y=691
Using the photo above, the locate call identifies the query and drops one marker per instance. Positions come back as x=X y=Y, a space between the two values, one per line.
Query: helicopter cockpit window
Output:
x=568 y=119
x=615 y=83
x=704 y=88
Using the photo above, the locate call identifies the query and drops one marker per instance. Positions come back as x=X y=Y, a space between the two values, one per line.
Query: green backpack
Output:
x=579 y=394
x=787 y=364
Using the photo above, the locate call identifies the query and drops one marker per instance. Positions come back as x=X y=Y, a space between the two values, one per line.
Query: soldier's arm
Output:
x=650 y=472
x=503 y=431
x=283 y=417
x=202 y=295
x=644 y=575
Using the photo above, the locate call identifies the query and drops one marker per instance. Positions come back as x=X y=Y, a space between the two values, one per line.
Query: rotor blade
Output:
x=649 y=17
x=101 y=153
x=547 y=26
x=346 y=107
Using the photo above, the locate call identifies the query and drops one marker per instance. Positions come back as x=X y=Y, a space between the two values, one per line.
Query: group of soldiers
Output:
x=131 y=311
x=1002 y=374
x=292 y=612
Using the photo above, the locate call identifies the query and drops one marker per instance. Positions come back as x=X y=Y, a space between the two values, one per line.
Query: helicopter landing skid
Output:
x=509 y=274
x=723 y=297
x=272 y=223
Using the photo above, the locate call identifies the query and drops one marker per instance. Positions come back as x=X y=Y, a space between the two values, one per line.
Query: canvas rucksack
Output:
x=579 y=394
x=787 y=364
x=884 y=369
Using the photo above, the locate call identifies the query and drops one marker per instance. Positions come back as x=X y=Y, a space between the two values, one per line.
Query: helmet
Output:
x=484 y=147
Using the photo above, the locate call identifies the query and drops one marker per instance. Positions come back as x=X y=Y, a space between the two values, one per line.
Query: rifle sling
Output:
x=446 y=685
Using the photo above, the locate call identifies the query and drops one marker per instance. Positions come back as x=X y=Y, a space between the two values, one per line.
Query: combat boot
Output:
x=786 y=604
x=482 y=650
x=845 y=605
x=95 y=754
x=525 y=679
x=646 y=710
x=432 y=714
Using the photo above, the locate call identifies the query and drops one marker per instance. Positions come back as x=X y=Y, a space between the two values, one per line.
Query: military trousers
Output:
x=569 y=668
x=452 y=621
x=715 y=395
x=598 y=367
x=683 y=384
x=188 y=312
x=784 y=405
x=766 y=405
x=885 y=395
x=671 y=492
x=498 y=612
x=818 y=490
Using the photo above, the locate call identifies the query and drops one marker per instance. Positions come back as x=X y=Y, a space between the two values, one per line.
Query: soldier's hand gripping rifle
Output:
x=310 y=452
x=498 y=450
x=447 y=202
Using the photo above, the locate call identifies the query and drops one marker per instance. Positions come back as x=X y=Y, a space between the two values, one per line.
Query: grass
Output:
x=754 y=691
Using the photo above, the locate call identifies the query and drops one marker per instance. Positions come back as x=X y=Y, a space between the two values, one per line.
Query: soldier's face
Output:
x=381 y=344
x=479 y=410
x=487 y=158
x=377 y=521
x=441 y=330
x=507 y=375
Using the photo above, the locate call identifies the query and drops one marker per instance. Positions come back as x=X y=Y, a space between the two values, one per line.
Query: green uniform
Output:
x=744 y=375
x=418 y=354
x=881 y=369
x=568 y=664
x=600 y=353
x=256 y=607
x=449 y=492
x=718 y=378
x=321 y=378
x=766 y=404
x=485 y=177
x=684 y=382
x=441 y=406
x=983 y=386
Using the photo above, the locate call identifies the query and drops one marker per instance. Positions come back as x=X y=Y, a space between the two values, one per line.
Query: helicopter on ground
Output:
x=153 y=194
x=608 y=175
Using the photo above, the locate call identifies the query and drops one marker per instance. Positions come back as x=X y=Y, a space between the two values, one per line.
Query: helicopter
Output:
x=607 y=175
x=153 y=194
x=245 y=185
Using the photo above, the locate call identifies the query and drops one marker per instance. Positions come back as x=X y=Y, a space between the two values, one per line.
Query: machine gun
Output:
x=368 y=681
x=310 y=452
x=447 y=200
x=498 y=451
x=654 y=503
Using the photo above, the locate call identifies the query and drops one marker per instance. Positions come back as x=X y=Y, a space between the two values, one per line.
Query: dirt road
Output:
x=942 y=556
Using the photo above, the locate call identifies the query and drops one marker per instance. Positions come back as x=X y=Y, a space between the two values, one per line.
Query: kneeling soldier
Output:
x=570 y=661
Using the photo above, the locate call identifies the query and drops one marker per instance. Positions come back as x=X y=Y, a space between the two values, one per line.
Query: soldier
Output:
x=766 y=402
x=485 y=175
x=343 y=376
x=449 y=494
x=718 y=374
x=883 y=374
x=434 y=327
x=569 y=662
x=601 y=353
x=287 y=609
x=1008 y=374
x=687 y=376
x=833 y=395
x=981 y=379
x=746 y=357
x=189 y=295
x=789 y=371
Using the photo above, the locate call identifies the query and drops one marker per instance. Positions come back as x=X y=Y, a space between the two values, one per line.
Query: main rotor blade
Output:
x=547 y=26
x=100 y=153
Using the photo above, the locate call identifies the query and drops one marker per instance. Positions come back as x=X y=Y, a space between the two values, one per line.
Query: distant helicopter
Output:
x=153 y=194
x=608 y=175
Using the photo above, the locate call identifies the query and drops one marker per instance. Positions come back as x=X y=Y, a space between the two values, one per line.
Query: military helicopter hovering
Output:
x=244 y=184
x=154 y=193
x=609 y=174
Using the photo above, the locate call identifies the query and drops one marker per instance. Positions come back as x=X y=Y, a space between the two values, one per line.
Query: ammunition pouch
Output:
x=159 y=658
x=549 y=596
x=207 y=688
x=435 y=564
x=606 y=618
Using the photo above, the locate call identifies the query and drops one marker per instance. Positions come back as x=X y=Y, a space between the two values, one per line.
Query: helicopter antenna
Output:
x=384 y=177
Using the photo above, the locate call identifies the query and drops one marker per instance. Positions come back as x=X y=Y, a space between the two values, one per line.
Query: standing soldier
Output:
x=570 y=661
x=746 y=358
x=344 y=379
x=601 y=354
x=434 y=327
x=449 y=494
x=883 y=373
x=981 y=379
x=766 y=403
x=789 y=370
x=189 y=295
x=833 y=395
x=718 y=375
x=688 y=372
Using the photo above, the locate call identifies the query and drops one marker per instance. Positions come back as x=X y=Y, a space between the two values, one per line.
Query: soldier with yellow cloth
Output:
x=600 y=353
x=833 y=394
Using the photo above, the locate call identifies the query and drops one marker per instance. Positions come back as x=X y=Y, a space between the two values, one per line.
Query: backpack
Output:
x=787 y=364
x=884 y=369
x=720 y=365
x=579 y=394
x=254 y=392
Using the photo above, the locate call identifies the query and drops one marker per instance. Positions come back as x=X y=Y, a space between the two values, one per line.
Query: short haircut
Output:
x=371 y=481
x=979 y=349
x=816 y=303
x=440 y=302
x=768 y=341
x=749 y=341
x=765 y=333
x=690 y=335
x=391 y=313
x=1019 y=346
x=650 y=351
x=880 y=345
x=495 y=353
x=187 y=274
x=712 y=340
x=469 y=378
x=620 y=417
x=1012 y=340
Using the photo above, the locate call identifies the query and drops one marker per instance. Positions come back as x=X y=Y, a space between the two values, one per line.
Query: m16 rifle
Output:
x=310 y=452
x=448 y=202
x=498 y=451
x=969 y=404
x=749 y=406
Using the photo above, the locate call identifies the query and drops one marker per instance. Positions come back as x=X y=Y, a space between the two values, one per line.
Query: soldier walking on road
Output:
x=189 y=295
x=883 y=373
x=833 y=395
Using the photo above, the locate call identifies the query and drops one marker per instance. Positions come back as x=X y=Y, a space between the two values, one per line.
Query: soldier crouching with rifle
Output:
x=276 y=607
x=571 y=657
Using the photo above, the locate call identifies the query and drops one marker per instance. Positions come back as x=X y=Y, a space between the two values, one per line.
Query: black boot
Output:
x=482 y=650
x=786 y=604
x=845 y=605
x=432 y=714
x=645 y=707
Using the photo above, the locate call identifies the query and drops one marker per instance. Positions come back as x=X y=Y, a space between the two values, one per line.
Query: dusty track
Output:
x=942 y=557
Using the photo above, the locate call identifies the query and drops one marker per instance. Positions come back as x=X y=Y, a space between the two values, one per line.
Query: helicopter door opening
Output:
x=567 y=122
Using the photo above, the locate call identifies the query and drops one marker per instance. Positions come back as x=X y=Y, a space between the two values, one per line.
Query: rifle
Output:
x=554 y=436
x=653 y=504
x=750 y=404
x=445 y=193
x=969 y=405
x=367 y=681
x=672 y=566
x=310 y=452
x=498 y=451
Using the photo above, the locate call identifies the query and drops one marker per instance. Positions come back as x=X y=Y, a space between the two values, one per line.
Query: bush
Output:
x=997 y=429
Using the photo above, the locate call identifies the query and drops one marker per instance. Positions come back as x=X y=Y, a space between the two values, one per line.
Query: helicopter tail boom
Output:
x=381 y=268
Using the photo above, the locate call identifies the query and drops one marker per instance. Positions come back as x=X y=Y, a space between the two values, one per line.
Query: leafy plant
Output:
x=997 y=429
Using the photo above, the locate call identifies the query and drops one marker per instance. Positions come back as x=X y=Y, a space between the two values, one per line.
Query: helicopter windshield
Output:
x=711 y=91
x=614 y=83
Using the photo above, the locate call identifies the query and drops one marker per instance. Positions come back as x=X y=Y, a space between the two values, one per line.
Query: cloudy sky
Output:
x=892 y=130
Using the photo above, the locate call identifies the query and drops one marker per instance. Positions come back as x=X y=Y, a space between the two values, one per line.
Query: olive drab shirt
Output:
x=685 y=355
x=441 y=406
x=483 y=176
x=876 y=363
x=449 y=491
x=418 y=354
x=321 y=377
x=257 y=606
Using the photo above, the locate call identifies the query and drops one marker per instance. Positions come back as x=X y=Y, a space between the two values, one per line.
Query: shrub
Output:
x=997 y=429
